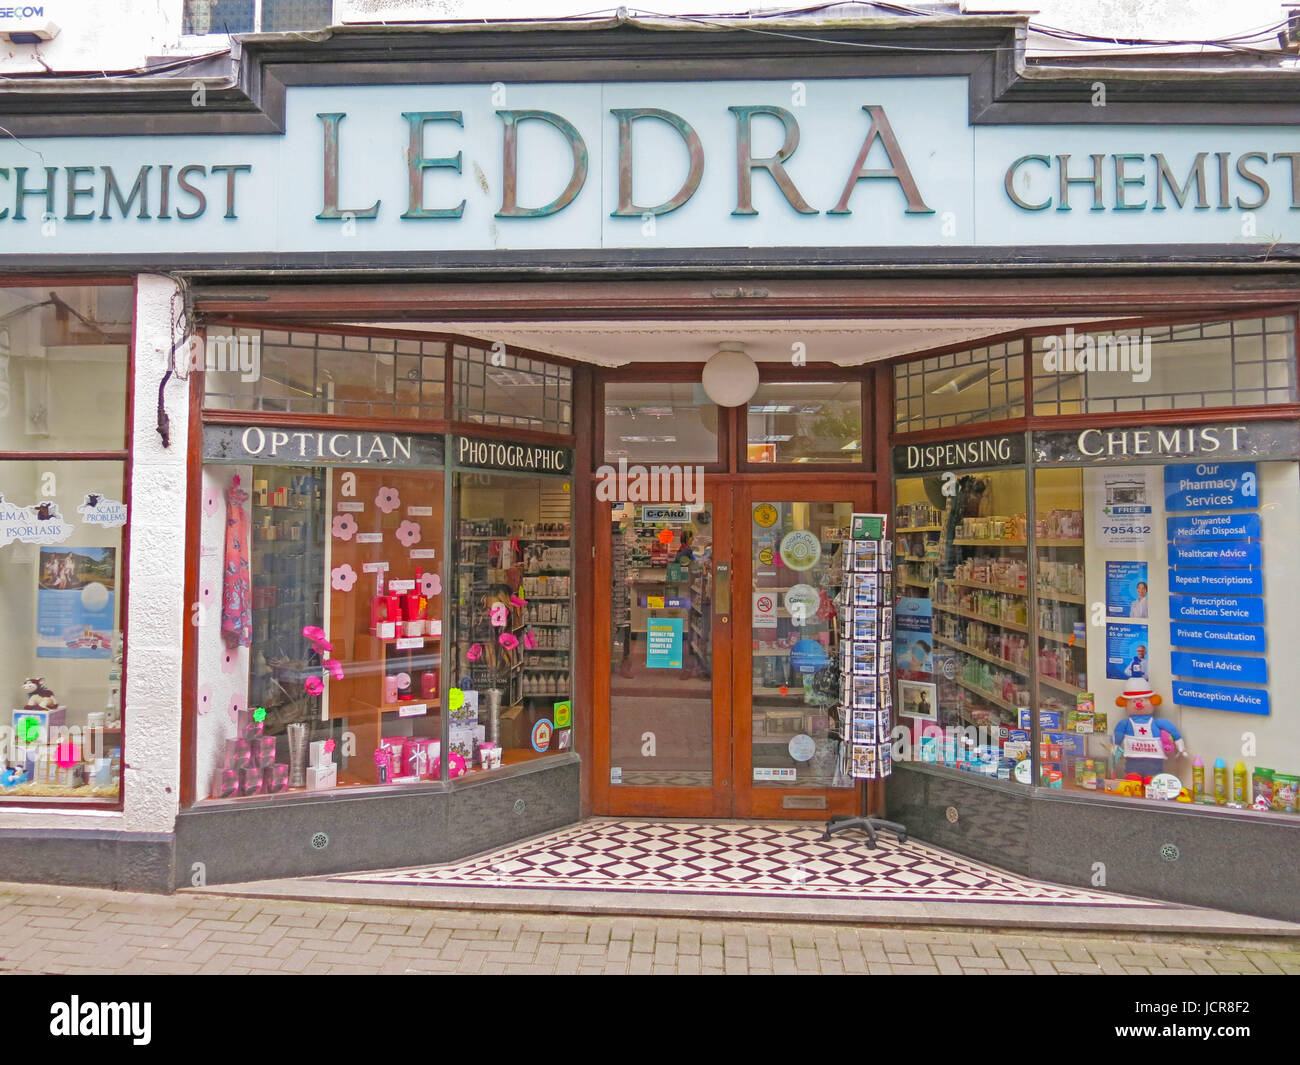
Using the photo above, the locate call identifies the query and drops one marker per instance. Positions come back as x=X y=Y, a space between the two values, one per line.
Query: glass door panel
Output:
x=796 y=577
x=661 y=688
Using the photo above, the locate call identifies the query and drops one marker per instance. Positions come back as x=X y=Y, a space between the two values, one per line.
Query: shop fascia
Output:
x=185 y=191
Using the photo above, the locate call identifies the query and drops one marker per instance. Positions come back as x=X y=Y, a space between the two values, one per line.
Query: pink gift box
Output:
x=252 y=781
x=419 y=756
x=263 y=750
x=226 y=784
x=239 y=755
x=275 y=779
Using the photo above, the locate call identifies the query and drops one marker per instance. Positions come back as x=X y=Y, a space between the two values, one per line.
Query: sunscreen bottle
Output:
x=1220 y=782
x=1198 y=780
x=1239 y=792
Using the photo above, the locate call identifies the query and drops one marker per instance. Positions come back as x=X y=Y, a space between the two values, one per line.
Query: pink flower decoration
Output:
x=342 y=578
x=211 y=500
x=516 y=601
x=236 y=705
x=344 y=526
x=335 y=668
x=313 y=685
x=530 y=641
x=316 y=635
x=229 y=660
x=208 y=594
x=408 y=533
x=508 y=641
x=430 y=585
x=388 y=500
x=499 y=615
x=205 y=698
x=474 y=653
x=329 y=746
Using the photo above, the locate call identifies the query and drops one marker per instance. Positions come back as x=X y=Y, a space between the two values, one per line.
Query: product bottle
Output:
x=1239 y=793
x=1220 y=782
x=1198 y=780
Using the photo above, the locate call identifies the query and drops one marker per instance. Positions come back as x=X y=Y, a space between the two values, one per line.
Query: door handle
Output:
x=722 y=588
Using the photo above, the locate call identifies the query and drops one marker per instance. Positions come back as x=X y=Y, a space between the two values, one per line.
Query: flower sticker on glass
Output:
x=508 y=641
x=343 y=527
x=342 y=578
x=208 y=596
x=229 y=659
x=408 y=533
x=335 y=668
x=205 y=698
x=498 y=615
x=211 y=500
x=313 y=685
x=474 y=653
x=530 y=640
x=259 y=715
x=236 y=705
x=430 y=585
x=388 y=500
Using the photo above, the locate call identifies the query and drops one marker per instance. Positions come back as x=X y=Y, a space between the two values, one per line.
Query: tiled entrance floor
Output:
x=743 y=870
x=781 y=859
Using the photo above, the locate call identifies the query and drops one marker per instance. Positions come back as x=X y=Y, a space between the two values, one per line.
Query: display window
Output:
x=320 y=643
x=512 y=648
x=963 y=651
x=802 y=422
x=64 y=358
x=1107 y=620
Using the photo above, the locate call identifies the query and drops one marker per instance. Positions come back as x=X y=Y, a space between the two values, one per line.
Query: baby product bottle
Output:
x=1220 y=782
x=1239 y=792
x=1198 y=780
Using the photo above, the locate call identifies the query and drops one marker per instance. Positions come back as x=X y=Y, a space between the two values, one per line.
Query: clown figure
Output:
x=1139 y=736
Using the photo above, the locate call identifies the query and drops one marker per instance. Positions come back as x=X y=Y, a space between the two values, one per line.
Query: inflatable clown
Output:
x=1143 y=739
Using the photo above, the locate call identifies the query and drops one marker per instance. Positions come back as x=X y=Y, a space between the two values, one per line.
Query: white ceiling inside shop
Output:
x=842 y=343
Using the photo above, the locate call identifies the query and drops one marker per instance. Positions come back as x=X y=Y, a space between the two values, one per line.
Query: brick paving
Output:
x=74 y=930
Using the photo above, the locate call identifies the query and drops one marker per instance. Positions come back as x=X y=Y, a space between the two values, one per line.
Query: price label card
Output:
x=424 y=552
x=419 y=512
x=370 y=538
x=401 y=586
x=410 y=643
x=355 y=508
x=414 y=710
x=374 y=567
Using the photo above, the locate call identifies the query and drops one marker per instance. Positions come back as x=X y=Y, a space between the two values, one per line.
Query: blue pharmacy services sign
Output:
x=1227 y=554
x=1213 y=527
x=1211 y=486
x=1218 y=637
x=1219 y=697
x=1214 y=581
x=808 y=656
x=1217 y=608
x=1213 y=666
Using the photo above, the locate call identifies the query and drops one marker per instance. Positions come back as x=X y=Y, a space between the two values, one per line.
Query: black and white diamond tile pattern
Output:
x=723 y=858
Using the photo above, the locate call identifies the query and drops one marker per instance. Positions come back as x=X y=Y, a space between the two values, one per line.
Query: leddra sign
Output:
x=822 y=163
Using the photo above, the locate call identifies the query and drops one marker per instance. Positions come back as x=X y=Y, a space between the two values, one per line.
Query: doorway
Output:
x=717 y=651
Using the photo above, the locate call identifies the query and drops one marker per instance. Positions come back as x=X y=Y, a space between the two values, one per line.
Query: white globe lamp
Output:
x=730 y=376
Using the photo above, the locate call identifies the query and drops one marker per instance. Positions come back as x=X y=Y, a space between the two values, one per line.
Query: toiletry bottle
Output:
x=1220 y=782
x=1239 y=792
x=1198 y=780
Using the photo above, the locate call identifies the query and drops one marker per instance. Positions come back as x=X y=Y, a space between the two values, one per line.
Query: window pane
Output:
x=354 y=554
x=514 y=541
x=806 y=422
x=982 y=384
x=319 y=373
x=219 y=16
x=63 y=368
x=660 y=423
x=61 y=612
x=500 y=388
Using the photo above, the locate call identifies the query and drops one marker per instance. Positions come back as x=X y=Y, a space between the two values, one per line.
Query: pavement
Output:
x=47 y=929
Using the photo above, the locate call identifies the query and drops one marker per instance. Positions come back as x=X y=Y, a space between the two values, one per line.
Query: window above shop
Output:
x=798 y=421
x=660 y=422
x=494 y=386
x=1238 y=363
x=983 y=384
x=324 y=373
x=252 y=16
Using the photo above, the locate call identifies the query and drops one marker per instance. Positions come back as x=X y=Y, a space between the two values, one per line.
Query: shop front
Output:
x=433 y=529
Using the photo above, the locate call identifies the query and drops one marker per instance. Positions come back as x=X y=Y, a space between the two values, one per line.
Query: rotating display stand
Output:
x=866 y=666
